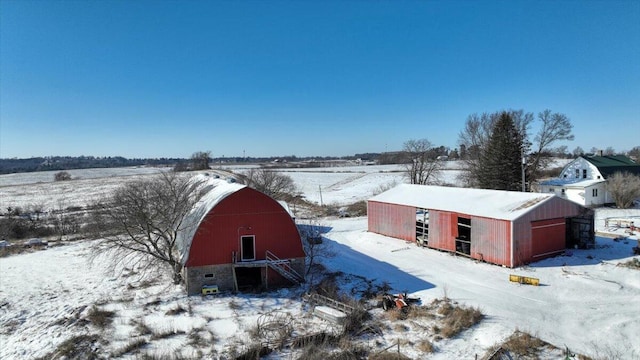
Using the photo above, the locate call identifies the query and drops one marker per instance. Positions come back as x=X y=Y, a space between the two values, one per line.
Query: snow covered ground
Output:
x=586 y=301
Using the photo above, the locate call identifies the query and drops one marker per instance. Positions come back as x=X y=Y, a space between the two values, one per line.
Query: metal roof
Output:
x=219 y=190
x=496 y=204
x=608 y=165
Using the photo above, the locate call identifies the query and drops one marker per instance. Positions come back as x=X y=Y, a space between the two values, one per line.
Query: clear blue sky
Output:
x=271 y=78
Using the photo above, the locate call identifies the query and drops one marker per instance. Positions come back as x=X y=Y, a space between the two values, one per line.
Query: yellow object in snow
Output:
x=209 y=289
x=524 y=280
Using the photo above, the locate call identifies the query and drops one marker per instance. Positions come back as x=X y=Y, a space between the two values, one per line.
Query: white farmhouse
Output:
x=584 y=180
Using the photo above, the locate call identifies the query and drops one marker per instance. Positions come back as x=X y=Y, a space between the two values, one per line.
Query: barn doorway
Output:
x=248 y=278
x=248 y=248
x=422 y=227
x=463 y=240
x=580 y=232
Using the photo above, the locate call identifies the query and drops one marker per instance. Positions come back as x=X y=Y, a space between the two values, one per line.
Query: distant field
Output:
x=330 y=185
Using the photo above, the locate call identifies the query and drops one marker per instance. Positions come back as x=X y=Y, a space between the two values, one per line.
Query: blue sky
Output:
x=328 y=78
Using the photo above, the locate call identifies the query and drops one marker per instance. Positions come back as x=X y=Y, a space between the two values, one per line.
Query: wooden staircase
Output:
x=283 y=268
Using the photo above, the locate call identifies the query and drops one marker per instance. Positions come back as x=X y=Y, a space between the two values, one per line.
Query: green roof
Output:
x=608 y=165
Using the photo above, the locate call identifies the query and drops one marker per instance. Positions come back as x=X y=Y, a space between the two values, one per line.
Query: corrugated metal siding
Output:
x=553 y=209
x=397 y=221
x=218 y=235
x=443 y=228
x=548 y=237
x=491 y=240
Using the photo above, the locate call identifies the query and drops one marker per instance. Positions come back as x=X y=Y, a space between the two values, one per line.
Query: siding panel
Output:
x=397 y=221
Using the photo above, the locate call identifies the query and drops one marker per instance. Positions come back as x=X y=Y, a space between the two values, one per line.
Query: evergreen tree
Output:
x=500 y=166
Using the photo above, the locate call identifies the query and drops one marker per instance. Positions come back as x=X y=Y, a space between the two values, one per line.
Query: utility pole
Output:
x=524 y=162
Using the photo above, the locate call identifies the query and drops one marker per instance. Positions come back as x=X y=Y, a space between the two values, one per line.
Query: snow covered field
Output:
x=586 y=302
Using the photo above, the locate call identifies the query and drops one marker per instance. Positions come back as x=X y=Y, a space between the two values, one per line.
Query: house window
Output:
x=577 y=173
x=565 y=175
x=584 y=173
x=594 y=192
x=562 y=191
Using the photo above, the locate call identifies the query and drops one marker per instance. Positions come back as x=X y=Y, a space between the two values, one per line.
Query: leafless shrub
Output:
x=417 y=312
x=459 y=319
x=632 y=264
x=141 y=327
x=133 y=346
x=400 y=327
x=454 y=318
x=61 y=176
x=234 y=305
x=357 y=209
x=177 y=310
x=624 y=189
x=523 y=344
x=100 y=318
x=165 y=334
x=355 y=321
x=77 y=347
x=384 y=187
x=426 y=346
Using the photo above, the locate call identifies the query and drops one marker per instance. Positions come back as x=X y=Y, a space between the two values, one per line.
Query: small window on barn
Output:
x=208 y=275
x=565 y=175
x=464 y=228
x=584 y=173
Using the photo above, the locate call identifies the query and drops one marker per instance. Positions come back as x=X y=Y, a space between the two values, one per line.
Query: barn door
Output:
x=580 y=232
x=547 y=237
x=248 y=247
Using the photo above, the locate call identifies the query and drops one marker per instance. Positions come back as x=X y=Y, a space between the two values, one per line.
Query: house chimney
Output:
x=600 y=152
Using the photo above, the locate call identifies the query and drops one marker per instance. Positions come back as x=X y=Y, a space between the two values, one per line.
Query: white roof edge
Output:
x=498 y=204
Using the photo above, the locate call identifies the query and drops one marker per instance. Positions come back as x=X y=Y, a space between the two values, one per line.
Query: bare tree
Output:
x=273 y=183
x=624 y=189
x=609 y=151
x=478 y=130
x=475 y=137
x=200 y=160
x=314 y=247
x=421 y=165
x=139 y=223
x=578 y=151
x=555 y=127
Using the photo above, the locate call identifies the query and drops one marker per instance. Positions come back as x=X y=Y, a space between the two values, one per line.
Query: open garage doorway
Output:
x=248 y=278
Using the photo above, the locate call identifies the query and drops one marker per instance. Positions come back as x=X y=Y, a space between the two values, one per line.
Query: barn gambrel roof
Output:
x=496 y=204
x=608 y=165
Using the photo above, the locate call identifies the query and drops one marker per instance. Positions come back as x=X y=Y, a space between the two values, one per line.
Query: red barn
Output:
x=238 y=237
x=501 y=227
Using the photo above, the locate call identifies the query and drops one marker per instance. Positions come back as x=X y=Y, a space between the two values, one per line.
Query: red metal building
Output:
x=238 y=237
x=501 y=227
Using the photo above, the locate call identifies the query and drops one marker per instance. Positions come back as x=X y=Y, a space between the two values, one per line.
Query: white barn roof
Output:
x=219 y=189
x=496 y=204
